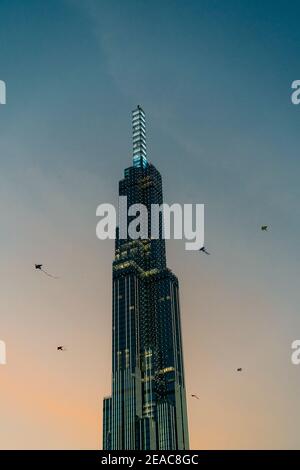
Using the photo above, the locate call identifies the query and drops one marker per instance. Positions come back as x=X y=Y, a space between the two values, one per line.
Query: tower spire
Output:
x=139 y=137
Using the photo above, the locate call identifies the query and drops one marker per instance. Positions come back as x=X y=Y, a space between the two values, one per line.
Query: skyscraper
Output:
x=147 y=408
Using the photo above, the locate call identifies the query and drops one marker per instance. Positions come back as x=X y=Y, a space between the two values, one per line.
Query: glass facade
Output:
x=147 y=409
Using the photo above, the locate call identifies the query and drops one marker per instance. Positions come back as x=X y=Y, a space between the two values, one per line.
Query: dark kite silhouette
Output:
x=203 y=249
x=40 y=268
x=61 y=348
x=264 y=228
x=195 y=396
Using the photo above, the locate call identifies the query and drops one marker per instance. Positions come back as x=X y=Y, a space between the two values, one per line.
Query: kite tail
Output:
x=50 y=275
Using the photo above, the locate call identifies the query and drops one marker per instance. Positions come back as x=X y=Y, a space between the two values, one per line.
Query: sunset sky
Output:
x=214 y=79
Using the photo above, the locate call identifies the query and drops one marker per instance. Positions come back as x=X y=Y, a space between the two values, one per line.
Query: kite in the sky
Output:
x=264 y=228
x=203 y=249
x=61 y=348
x=195 y=396
x=40 y=267
x=239 y=369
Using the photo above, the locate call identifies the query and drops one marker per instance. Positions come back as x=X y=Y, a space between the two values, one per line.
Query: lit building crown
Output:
x=139 y=138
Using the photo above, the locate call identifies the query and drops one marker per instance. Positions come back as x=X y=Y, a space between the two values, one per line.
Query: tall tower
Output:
x=147 y=408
